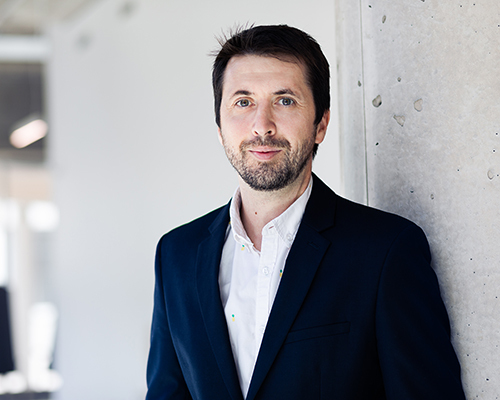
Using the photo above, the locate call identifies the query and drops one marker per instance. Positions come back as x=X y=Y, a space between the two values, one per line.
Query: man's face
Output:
x=267 y=121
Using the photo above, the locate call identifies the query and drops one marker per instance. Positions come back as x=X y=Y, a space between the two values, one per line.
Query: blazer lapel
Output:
x=303 y=260
x=207 y=272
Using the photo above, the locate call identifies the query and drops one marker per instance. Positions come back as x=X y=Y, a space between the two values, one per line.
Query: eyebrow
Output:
x=241 y=93
x=279 y=92
x=285 y=91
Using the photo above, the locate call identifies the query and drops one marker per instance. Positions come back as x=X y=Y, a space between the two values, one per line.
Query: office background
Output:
x=132 y=151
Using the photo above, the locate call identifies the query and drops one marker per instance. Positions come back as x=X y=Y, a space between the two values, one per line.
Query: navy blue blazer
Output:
x=358 y=314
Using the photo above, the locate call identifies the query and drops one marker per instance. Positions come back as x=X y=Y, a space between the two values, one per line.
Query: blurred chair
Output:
x=6 y=358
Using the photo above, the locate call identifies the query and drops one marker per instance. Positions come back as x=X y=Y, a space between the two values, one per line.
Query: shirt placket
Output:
x=268 y=255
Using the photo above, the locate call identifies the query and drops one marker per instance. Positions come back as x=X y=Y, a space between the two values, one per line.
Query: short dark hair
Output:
x=276 y=41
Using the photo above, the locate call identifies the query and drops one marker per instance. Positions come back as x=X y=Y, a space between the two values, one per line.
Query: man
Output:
x=289 y=291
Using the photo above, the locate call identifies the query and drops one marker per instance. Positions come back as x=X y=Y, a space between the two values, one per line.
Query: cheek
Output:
x=295 y=128
x=236 y=120
x=236 y=127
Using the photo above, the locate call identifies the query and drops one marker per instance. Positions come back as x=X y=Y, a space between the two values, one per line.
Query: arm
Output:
x=413 y=332
x=164 y=375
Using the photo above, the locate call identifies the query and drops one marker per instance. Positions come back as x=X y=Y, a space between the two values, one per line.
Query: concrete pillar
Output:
x=419 y=96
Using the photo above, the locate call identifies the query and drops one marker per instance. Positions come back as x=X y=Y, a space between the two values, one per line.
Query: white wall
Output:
x=441 y=168
x=134 y=153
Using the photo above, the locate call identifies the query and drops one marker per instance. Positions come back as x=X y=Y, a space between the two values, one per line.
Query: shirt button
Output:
x=265 y=271
x=289 y=237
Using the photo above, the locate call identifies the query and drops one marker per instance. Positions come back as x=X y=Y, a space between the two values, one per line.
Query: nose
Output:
x=264 y=121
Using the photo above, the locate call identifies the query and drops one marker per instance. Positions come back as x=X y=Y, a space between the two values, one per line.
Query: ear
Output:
x=219 y=134
x=321 y=128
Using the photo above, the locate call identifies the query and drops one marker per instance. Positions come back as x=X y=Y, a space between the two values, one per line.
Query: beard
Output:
x=275 y=174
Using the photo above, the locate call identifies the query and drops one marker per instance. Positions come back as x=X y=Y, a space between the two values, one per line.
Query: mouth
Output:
x=264 y=154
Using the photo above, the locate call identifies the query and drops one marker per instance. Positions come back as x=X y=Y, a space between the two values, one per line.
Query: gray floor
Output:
x=26 y=396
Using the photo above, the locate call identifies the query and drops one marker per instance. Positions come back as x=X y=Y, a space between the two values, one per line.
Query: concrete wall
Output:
x=419 y=94
x=134 y=153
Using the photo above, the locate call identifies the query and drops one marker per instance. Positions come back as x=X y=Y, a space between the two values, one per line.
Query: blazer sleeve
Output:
x=164 y=375
x=412 y=326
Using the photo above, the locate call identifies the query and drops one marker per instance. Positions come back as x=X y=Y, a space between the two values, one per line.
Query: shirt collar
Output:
x=286 y=224
x=237 y=229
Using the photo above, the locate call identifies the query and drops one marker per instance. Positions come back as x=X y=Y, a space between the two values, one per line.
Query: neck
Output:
x=258 y=208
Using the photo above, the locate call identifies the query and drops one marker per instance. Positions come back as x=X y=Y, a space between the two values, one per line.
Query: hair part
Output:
x=280 y=41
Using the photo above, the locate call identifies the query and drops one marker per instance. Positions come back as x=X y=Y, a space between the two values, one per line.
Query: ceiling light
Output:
x=29 y=133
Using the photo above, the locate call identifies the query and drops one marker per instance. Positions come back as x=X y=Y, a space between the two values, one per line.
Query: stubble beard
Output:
x=270 y=175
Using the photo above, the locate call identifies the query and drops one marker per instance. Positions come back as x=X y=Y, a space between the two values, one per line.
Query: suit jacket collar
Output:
x=302 y=263
x=207 y=272
x=303 y=260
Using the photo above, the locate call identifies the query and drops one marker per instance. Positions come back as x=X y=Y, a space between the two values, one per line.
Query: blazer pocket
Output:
x=318 y=331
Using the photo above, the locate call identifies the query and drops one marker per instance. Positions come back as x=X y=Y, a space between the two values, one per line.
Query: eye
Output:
x=286 y=101
x=243 y=103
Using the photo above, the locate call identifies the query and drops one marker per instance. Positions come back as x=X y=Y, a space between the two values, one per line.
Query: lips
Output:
x=264 y=154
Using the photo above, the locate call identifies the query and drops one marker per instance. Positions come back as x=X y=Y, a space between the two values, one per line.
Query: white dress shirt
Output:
x=249 y=279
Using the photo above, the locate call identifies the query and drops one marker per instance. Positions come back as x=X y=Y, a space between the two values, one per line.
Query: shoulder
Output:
x=359 y=221
x=349 y=212
x=198 y=229
x=380 y=228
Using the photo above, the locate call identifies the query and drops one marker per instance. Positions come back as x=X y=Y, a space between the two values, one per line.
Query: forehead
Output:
x=264 y=71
